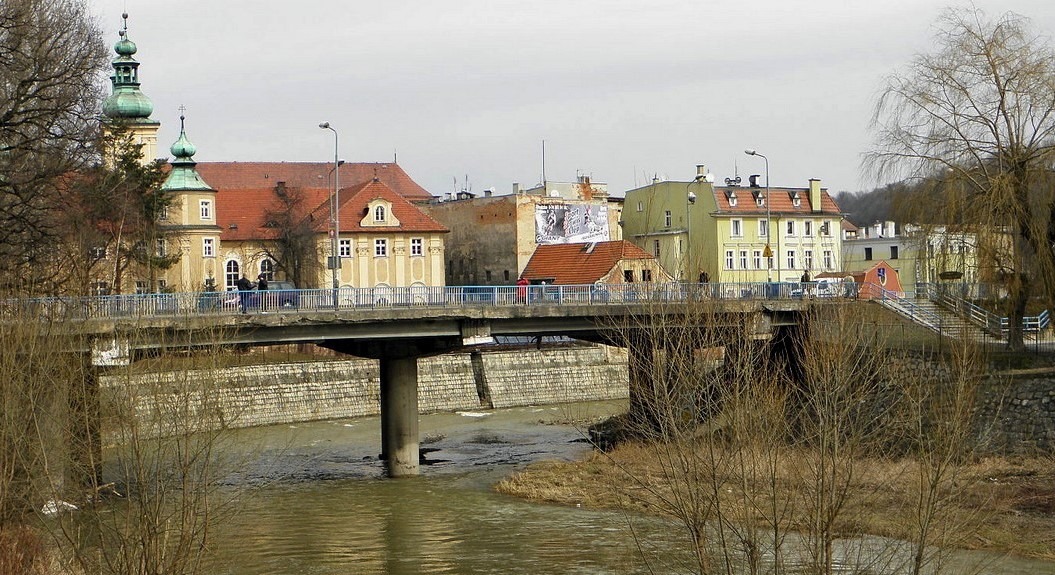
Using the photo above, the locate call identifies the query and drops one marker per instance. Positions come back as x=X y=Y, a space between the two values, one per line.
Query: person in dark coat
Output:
x=244 y=287
x=261 y=283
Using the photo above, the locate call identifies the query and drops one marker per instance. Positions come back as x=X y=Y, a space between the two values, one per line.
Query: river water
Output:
x=312 y=499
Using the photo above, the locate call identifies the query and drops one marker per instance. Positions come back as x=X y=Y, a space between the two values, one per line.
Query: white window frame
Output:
x=763 y=228
x=668 y=219
x=828 y=263
x=208 y=247
x=807 y=259
x=736 y=228
x=743 y=260
x=756 y=258
x=826 y=229
x=344 y=248
x=790 y=228
x=641 y=206
x=807 y=228
x=161 y=248
x=380 y=248
x=655 y=248
x=730 y=259
x=417 y=247
x=791 y=259
x=205 y=209
x=379 y=214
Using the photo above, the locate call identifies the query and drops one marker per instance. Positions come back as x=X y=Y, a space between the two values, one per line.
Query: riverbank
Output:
x=1001 y=504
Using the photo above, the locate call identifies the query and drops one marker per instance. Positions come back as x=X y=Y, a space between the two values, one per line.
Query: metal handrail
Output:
x=348 y=298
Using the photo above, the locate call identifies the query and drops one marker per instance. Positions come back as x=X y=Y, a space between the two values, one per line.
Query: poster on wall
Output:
x=571 y=224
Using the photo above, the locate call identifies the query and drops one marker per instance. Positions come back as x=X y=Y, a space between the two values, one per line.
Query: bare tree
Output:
x=293 y=243
x=50 y=58
x=978 y=114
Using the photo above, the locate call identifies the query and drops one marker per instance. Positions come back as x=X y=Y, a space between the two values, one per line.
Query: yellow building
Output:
x=735 y=233
x=274 y=219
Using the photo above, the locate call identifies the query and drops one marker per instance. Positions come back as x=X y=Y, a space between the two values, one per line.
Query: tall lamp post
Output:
x=690 y=199
x=335 y=220
x=768 y=253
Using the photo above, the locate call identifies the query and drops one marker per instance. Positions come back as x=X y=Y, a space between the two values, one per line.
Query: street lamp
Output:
x=690 y=199
x=335 y=206
x=768 y=253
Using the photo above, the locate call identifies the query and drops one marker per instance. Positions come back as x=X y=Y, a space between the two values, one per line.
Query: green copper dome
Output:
x=184 y=176
x=183 y=148
x=126 y=102
x=124 y=46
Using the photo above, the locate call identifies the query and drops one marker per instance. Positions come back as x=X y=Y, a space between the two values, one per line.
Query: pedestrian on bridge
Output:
x=244 y=287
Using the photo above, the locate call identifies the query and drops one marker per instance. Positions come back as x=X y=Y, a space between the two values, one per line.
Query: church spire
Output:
x=126 y=100
x=184 y=176
x=127 y=106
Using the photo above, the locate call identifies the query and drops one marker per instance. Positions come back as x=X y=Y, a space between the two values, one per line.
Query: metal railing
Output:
x=347 y=298
x=981 y=317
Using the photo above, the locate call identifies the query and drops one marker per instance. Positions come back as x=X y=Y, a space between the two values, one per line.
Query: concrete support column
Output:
x=641 y=368
x=399 y=415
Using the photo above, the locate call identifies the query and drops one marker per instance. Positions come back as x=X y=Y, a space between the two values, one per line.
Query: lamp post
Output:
x=768 y=254
x=335 y=220
x=690 y=199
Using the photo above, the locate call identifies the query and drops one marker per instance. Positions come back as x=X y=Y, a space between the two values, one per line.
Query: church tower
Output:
x=194 y=216
x=127 y=106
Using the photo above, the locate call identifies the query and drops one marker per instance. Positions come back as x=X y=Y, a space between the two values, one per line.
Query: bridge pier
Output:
x=399 y=415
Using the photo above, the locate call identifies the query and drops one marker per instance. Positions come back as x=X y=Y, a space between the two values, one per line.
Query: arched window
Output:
x=267 y=269
x=231 y=274
x=379 y=214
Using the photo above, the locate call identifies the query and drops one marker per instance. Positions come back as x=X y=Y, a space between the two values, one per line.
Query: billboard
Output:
x=571 y=223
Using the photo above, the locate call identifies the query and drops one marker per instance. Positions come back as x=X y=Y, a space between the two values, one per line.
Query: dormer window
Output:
x=760 y=200
x=379 y=213
x=796 y=199
x=731 y=196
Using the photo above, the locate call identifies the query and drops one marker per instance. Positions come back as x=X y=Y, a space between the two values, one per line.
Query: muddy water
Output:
x=318 y=504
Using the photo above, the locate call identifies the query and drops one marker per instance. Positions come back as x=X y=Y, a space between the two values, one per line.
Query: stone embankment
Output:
x=1015 y=412
x=296 y=392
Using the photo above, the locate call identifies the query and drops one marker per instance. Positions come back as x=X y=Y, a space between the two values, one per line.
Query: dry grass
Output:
x=1001 y=504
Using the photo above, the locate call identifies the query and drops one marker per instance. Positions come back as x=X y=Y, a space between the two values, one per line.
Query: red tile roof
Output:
x=575 y=264
x=779 y=201
x=242 y=213
x=249 y=175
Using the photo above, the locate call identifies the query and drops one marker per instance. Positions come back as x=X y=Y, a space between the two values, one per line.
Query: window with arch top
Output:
x=379 y=213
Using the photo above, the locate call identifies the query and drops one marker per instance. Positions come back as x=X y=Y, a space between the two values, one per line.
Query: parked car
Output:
x=279 y=294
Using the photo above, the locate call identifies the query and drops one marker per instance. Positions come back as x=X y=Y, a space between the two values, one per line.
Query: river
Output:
x=313 y=500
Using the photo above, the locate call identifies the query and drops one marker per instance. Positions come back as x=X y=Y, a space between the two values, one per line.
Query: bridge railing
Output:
x=347 y=298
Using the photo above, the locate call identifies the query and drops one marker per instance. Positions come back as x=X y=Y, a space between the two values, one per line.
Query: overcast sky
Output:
x=619 y=90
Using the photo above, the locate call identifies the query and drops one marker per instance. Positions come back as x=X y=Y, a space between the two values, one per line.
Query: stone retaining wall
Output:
x=295 y=392
x=1022 y=412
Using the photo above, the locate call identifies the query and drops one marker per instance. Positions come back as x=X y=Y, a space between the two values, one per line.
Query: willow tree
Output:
x=978 y=114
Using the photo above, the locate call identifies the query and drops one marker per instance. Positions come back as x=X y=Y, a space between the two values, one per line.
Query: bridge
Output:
x=396 y=326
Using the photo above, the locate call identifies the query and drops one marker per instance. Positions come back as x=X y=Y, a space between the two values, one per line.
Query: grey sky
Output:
x=619 y=90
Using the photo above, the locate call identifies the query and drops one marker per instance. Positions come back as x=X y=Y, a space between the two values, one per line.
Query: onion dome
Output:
x=184 y=175
x=126 y=102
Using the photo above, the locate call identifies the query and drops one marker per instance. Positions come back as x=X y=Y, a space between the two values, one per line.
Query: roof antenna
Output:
x=395 y=156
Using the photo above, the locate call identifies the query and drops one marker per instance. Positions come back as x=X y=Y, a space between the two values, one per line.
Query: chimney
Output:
x=890 y=229
x=815 y=194
x=877 y=230
x=280 y=189
x=516 y=188
x=754 y=180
